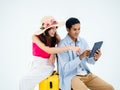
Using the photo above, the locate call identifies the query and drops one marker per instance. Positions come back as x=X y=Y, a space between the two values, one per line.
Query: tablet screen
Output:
x=97 y=45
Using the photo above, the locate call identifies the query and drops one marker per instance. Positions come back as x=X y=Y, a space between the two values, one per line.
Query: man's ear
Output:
x=68 y=30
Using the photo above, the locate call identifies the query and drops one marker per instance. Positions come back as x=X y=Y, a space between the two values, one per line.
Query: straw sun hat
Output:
x=48 y=22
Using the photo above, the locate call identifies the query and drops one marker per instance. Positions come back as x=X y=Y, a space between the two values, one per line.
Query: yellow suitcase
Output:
x=50 y=83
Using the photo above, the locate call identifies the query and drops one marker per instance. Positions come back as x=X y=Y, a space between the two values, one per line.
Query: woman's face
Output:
x=52 y=31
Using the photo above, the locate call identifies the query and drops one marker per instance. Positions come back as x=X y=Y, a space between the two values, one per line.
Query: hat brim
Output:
x=40 y=31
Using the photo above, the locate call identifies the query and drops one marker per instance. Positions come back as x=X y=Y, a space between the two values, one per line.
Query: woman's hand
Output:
x=75 y=49
x=51 y=59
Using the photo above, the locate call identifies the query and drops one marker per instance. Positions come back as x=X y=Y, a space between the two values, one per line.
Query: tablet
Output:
x=97 y=45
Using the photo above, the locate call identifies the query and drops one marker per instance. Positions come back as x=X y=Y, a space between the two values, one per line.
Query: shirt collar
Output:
x=69 y=40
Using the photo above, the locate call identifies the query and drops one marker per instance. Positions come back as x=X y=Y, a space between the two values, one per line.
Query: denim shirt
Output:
x=69 y=61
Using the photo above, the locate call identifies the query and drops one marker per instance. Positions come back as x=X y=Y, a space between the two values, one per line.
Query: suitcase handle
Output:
x=57 y=65
x=51 y=85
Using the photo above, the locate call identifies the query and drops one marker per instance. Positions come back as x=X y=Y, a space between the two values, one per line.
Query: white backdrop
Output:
x=19 y=19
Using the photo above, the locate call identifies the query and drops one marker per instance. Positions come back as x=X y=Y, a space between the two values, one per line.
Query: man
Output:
x=73 y=70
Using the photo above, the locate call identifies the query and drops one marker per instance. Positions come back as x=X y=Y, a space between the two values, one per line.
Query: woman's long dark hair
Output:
x=44 y=37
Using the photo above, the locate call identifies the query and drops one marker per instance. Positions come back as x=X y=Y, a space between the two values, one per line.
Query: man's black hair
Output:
x=71 y=21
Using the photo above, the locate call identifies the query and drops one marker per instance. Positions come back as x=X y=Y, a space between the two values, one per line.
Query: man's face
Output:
x=74 y=31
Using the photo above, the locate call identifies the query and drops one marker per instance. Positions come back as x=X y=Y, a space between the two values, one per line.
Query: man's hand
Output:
x=85 y=54
x=97 y=55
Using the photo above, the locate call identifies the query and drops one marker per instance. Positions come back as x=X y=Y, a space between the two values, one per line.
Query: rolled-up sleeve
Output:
x=90 y=60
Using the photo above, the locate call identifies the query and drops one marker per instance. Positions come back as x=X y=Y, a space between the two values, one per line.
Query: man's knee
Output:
x=110 y=87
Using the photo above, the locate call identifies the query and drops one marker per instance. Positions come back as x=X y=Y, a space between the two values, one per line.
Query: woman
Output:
x=44 y=50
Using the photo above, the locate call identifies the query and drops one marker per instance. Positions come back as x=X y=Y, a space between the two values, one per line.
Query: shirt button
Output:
x=82 y=69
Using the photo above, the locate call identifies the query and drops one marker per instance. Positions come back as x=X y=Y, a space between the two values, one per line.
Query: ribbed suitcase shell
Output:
x=50 y=83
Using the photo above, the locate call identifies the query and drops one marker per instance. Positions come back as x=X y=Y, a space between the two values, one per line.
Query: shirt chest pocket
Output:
x=72 y=55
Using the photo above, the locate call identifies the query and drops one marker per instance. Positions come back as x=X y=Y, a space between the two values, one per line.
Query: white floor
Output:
x=36 y=88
